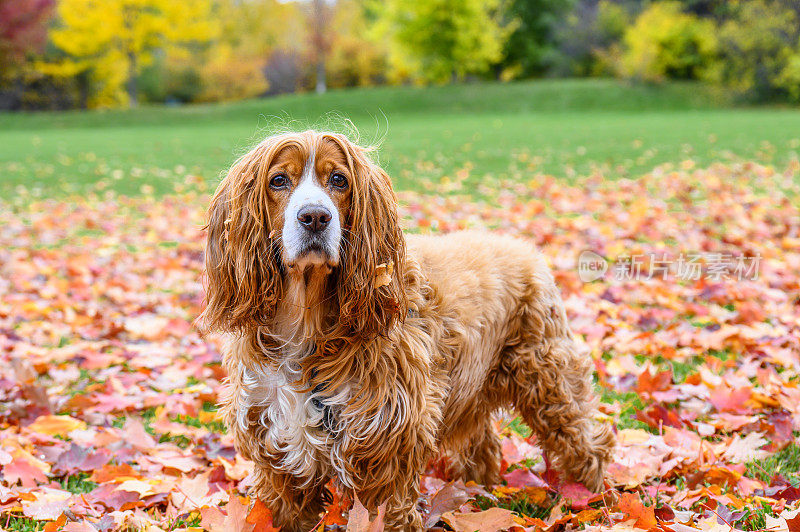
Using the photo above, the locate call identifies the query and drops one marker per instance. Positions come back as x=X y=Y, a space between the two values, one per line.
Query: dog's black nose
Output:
x=315 y=218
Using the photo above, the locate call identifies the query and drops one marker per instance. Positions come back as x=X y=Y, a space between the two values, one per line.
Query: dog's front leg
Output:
x=384 y=445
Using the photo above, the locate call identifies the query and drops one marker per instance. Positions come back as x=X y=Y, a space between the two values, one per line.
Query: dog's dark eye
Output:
x=338 y=181
x=279 y=181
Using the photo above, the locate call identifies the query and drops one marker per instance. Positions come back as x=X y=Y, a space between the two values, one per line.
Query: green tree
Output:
x=445 y=39
x=114 y=39
x=760 y=49
x=532 y=42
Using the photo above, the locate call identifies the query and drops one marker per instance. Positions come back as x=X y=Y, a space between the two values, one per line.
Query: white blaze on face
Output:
x=296 y=239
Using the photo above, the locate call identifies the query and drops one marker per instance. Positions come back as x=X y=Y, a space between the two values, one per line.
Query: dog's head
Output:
x=300 y=202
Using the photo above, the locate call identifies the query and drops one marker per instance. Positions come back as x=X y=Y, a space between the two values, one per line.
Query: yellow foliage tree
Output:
x=443 y=40
x=357 y=57
x=114 y=39
x=665 y=42
x=233 y=67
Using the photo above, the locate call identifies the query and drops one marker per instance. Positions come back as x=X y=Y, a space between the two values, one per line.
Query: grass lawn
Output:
x=562 y=127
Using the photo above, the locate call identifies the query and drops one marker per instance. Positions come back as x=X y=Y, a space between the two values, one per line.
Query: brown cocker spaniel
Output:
x=356 y=353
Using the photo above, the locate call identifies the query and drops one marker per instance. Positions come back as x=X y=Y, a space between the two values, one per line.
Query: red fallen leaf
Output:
x=55 y=526
x=748 y=486
x=579 y=496
x=749 y=312
x=523 y=477
x=446 y=499
x=107 y=496
x=649 y=383
x=20 y=470
x=664 y=513
x=716 y=475
x=261 y=518
x=793 y=523
x=780 y=426
x=358 y=518
x=631 y=505
x=135 y=435
x=110 y=472
x=657 y=416
x=733 y=400
x=78 y=458
x=551 y=475
x=788 y=493
x=336 y=510
x=516 y=449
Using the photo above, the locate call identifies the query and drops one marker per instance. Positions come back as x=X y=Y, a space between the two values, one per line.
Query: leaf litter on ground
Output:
x=108 y=394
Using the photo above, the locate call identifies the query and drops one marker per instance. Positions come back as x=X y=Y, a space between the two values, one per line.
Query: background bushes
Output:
x=72 y=53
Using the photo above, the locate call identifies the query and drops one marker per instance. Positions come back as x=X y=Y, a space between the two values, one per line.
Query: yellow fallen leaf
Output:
x=383 y=274
x=142 y=487
x=632 y=436
x=56 y=425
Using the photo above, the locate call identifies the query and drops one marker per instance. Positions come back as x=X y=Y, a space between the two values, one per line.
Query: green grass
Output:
x=563 y=126
x=785 y=462
x=20 y=524
x=77 y=483
x=521 y=504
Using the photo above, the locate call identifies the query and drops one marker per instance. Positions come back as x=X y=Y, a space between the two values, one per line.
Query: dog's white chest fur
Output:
x=293 y=419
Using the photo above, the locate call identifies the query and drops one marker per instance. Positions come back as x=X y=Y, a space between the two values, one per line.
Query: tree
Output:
x=760 y=49
x=532 y=41
x=320 y=42
x=236 y=64
x=114 y=39
x=446 y=39
x=23 y=29
x=664 y=42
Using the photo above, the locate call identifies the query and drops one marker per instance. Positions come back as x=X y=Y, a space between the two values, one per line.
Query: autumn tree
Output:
x=114 y=39
x=446 y=39
x=23 y=29
x=234 y=66
x=760 y=50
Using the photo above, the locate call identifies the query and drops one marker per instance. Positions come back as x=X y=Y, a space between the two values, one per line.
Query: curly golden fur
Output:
x=359 y=362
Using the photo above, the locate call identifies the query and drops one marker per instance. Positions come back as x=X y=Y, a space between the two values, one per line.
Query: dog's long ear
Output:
x=241 y=262
x=370 y=285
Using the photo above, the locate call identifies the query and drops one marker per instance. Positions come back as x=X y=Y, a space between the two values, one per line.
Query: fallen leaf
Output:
x=56 y=425
x=491 y=520
x=358 y=520
x=448 y=498
x=631 y=506
x=383 y=274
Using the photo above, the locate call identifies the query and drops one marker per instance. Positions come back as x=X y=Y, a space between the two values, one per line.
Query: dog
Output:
x=357 y=353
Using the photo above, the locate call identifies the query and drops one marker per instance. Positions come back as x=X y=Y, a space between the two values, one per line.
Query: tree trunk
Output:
x=133 y=89
x=321 y=82
x=83 y=89
x=320 y=43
